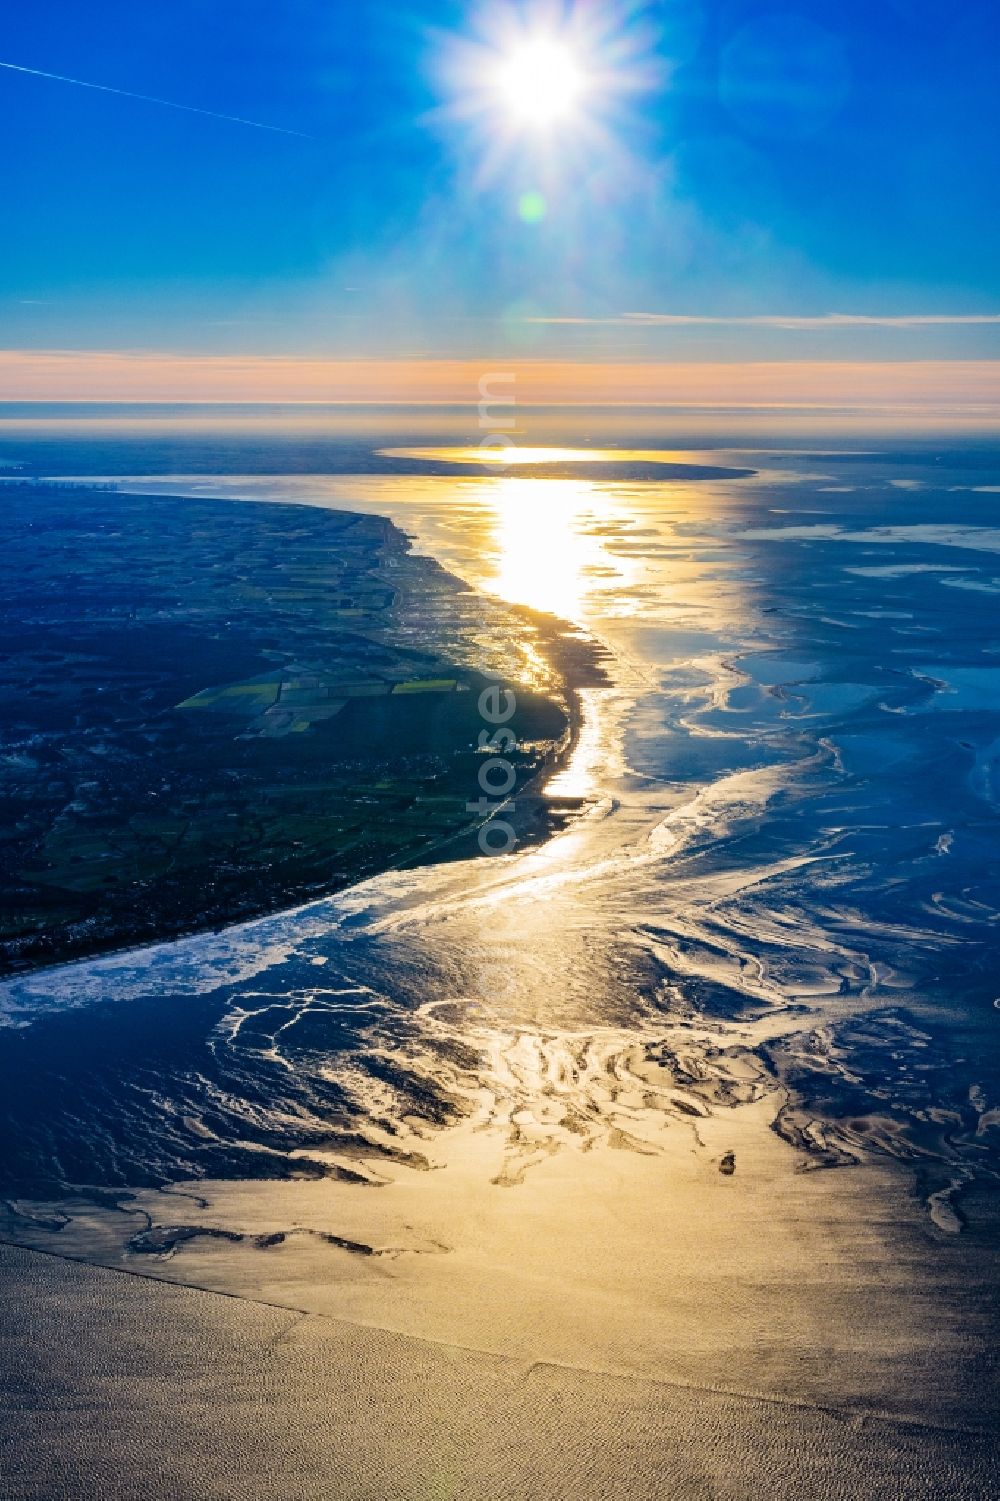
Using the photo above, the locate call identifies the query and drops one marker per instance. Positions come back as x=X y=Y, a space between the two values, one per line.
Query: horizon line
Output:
x=137 y=376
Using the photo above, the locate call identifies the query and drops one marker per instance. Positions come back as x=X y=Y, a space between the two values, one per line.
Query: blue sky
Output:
x=802 y=159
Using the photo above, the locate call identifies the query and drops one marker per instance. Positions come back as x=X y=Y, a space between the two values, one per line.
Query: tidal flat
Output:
x=655 y=1159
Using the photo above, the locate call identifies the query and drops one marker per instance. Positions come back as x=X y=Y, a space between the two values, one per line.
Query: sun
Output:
x=540 y=81
x=548 y=86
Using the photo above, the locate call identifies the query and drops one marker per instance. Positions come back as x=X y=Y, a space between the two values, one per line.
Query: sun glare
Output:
x=540 y=82
x=548 y=86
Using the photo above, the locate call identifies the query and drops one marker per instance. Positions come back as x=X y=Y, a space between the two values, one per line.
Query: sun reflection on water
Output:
x=500 y=455
x=637 y=564
x=548 y=550
x=491 y=456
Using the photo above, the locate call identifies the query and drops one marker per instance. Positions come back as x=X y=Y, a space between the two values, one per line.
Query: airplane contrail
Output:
x=191 y=109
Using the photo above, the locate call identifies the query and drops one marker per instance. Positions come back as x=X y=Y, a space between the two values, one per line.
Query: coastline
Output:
x=589 y=1183
x=561 y=660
